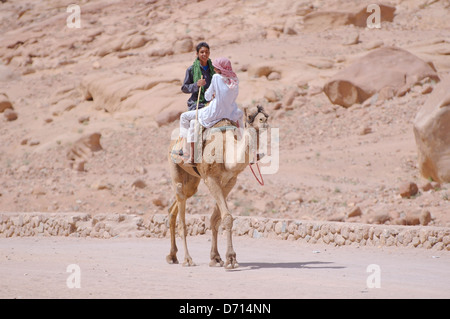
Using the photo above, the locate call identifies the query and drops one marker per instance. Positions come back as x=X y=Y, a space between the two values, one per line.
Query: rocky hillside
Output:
x=86 y=114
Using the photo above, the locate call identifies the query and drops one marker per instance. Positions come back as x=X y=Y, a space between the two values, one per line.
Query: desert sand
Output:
x=269 y=269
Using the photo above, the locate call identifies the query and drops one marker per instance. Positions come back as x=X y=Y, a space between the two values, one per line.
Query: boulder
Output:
x=418 y=218
x=359 y=18
x=385 y=69
x=167 y=117
x=408 y=190
x=7 y=73
x=10 y=115
x=5 y=103
x=119 y=92
x=82 y=149
x=259 y=70
x=183 y=46
x=432 y=134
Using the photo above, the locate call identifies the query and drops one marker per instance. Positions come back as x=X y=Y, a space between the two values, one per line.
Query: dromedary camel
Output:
x=220 y=177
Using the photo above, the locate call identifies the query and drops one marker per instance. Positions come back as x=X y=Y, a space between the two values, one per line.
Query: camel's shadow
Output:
x=289 y=265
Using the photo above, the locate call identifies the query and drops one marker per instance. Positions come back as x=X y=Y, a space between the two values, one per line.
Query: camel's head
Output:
x=257 y=118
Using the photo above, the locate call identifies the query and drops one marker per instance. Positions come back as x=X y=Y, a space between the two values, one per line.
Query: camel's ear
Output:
x=261 y=110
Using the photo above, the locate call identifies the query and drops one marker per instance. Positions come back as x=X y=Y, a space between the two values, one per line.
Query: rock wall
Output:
x=116 y=225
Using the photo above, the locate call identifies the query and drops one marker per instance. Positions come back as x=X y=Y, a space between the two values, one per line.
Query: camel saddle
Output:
x=222 y=126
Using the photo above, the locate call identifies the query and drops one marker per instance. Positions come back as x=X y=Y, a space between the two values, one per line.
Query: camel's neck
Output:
x=241 y=152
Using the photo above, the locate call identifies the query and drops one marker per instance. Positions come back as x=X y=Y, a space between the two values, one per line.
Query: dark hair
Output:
x=202 y=45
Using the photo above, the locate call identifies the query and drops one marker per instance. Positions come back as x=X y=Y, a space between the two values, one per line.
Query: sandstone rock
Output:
x=387 y=67
x=271 y=96
x=351 y=39
x=290 y=97
x=293 y=197
x=359 y=18
x=101 y=185
x=365 y=130
x=430 y=186
x=10 y=115
x=303 y=9
x=5 y=103
x=354 y=212
x=38 y=191
x=337 y=217
x=289 y=27
x=82 y=150
x=427 y=89
x=259 y=70
x=380 y=218
x=121 y=92
x=159 y=202
x=274 y=76
x=167 y=117
x=418 y=218
x=408 y=190
x=432 y=134
x=183 y=46
x=7 y=73
x=374 y=44
x=64 y=105
x=121 y=43
x=139 y=183
x=160 y=51
x=318 y=21
x=83 y=119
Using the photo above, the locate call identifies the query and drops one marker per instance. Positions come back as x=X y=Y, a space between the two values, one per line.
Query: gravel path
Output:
x=38 y=267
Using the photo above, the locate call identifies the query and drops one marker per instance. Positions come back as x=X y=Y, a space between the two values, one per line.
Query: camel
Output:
x=220 y=177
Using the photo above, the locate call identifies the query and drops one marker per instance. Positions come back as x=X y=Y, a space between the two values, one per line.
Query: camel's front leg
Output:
x=227 y=220
x=216 y=261
x=182 y=210
x=231 y=261
x=173 y=212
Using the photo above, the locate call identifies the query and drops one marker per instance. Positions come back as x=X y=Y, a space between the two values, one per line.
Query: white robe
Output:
x=223 y=106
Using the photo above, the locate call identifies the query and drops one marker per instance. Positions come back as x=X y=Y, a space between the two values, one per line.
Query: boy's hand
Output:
x=201 y=82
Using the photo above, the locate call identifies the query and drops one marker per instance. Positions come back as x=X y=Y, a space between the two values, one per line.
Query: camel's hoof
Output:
x=172 y=260
x=189 y=263
x=216 y=263
x=232 y=264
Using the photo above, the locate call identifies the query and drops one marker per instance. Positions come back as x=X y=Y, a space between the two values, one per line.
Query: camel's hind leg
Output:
x=182 y=212
x=173 y=212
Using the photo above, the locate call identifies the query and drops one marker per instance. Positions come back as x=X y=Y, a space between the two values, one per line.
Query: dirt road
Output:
x=136 y=268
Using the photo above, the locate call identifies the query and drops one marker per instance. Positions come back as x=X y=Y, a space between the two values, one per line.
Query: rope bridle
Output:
x=249 y=121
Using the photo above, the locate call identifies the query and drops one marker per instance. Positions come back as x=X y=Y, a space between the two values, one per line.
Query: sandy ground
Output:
x=269 y=269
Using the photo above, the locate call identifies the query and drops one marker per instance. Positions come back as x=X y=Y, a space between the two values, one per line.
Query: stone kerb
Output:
x=122 y=225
